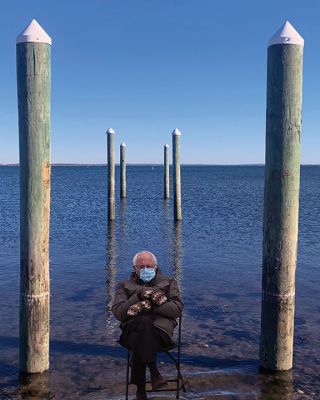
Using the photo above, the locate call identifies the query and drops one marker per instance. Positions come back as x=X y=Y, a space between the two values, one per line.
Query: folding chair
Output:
x=179 y=379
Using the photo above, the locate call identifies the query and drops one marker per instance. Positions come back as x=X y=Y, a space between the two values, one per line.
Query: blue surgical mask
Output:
x=147 y=274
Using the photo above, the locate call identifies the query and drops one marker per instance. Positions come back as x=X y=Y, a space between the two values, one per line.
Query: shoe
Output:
x=157 y=382
x=141 y=396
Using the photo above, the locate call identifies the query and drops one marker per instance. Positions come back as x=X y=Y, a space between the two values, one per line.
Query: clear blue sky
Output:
x=144 y=67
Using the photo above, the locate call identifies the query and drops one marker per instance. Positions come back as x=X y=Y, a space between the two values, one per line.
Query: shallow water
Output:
x=215 y=253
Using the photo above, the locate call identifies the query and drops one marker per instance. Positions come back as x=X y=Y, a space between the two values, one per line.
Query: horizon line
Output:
x=146 y=164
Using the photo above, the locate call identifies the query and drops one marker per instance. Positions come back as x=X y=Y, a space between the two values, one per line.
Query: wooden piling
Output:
x=166 y=171
x=33 y=85
x=123 y=182
x=281 y=198
x=176 y=174
x=111 y=175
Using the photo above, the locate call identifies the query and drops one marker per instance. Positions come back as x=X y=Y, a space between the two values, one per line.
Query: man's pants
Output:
x=143 y=340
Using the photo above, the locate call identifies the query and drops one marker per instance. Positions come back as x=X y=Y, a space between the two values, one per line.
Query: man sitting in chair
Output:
x=147 y=306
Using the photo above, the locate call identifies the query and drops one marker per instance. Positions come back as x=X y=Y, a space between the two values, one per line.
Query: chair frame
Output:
x=179 y=379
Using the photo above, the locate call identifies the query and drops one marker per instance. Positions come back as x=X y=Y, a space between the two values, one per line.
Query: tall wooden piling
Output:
x=123 y=182
x=33 y=84
x=281 y=198
x=166 y=181
x=176 y=174
x=111 y=174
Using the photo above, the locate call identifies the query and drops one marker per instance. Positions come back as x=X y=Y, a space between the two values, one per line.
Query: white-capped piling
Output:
x=123 y=182
x=111 y=174
x=166 y=180
x=33 y=84
x=176 y=134
x=281 y=197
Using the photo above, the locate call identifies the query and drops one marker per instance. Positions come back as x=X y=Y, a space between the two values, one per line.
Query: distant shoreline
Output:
x=158 y=165
x=133 y=164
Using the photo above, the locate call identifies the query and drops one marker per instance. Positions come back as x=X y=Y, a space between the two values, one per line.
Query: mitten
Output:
x=136 y=309
x=145 y=294
x=158 y=297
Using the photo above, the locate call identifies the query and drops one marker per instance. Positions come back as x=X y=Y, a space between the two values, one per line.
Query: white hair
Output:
x=154 y=258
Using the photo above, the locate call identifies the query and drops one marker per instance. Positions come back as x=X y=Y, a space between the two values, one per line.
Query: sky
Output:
x=145 y=67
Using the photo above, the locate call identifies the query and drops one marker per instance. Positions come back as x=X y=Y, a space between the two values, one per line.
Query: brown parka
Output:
x=164 y=316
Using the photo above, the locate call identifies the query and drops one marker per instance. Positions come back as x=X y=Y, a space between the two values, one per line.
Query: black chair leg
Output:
x=179 y=376
x=179 y=379
x=178 y=385
x=127 y=378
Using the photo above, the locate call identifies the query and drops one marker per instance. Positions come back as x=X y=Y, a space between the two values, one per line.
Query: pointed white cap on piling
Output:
x=110 y=130
x=166 y=145
x=34 y=33
x=286 y=35
x=123 y=144
x=176 y=132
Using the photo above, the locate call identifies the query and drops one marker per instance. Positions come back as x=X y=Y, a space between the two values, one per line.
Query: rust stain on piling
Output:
x=285 y=173
x=46 y=175
x=45 y=222
x=280 y=174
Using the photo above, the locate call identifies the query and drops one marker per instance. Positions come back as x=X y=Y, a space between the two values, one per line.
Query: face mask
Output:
x=147 y=274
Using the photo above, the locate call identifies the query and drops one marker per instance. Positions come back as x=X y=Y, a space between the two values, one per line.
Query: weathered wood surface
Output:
x=176 y=174
x=166 y=171
x=111 y=175
x=33 y=81
x=281 y=205
x=123 y=166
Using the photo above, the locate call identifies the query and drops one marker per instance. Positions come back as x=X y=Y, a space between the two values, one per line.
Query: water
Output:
x=215 y=253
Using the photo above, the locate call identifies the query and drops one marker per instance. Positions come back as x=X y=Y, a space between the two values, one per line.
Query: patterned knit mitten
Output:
x=146 y=294
x=158 y=297
x=136 y=309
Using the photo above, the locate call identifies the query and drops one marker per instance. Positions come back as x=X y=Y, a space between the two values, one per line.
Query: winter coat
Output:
x=164 y=316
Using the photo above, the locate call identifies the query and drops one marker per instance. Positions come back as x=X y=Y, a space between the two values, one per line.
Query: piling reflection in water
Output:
x=167 y=237
x=123 y=226
x=35 y=386
x=178 y=253
x=275 y=386
x=110 y=274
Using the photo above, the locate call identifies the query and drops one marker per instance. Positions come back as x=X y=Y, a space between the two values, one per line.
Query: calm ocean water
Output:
x=215 y=253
